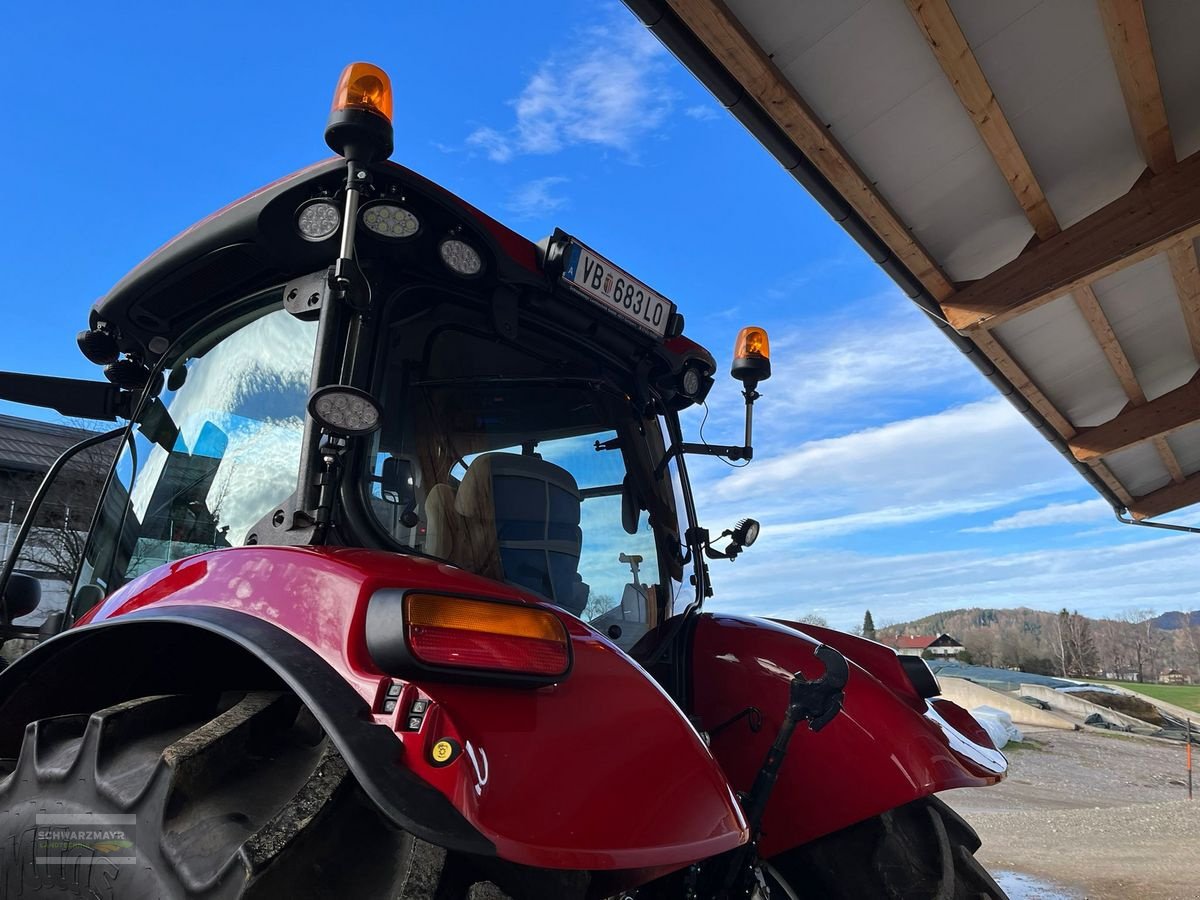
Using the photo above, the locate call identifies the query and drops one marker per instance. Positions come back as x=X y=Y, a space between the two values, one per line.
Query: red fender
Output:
x=601 y=771
x=889 y=746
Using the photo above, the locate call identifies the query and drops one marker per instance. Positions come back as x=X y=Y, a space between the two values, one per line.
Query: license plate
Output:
x=618 y=292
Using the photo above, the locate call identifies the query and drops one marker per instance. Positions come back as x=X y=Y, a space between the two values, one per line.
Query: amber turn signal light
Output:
x=464 y=633
x=751 y=356
x=360 y=120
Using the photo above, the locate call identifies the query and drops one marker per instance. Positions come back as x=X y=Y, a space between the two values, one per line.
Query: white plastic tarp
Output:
x=998 y=724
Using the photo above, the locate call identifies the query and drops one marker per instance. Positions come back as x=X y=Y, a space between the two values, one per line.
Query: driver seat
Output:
x=514 y=518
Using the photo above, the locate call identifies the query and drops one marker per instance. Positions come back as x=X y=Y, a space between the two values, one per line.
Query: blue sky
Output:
x=889 y=475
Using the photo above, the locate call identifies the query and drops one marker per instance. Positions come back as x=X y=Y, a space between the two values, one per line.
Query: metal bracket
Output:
x=305 y=296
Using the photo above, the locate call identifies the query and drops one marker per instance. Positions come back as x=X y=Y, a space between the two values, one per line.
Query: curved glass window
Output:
x=212 y=457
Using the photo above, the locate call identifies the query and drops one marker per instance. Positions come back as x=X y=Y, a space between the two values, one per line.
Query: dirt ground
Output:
x=1087 y=815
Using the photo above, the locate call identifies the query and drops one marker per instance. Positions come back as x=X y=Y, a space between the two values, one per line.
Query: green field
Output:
x=1185 y=695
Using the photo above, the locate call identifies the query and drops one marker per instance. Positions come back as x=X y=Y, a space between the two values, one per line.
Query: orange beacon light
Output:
x=360 y=119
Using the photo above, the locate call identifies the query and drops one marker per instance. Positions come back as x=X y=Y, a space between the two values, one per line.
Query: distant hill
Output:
x=1028 y=639
x=1169 y=621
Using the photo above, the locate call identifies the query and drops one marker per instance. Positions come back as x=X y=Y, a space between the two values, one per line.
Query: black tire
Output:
x=237 y=796
x=920 y=851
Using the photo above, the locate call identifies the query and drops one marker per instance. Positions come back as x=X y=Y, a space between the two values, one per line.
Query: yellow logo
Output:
x=442 y=751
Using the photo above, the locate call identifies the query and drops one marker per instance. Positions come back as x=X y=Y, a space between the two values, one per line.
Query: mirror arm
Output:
x=72 y=397
x=34 y=504
x=731 y=453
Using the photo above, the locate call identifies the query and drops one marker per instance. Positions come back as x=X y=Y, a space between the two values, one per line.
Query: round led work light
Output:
x=389 y=220
x=318 y=220
x=460 y=257
x=344 y=410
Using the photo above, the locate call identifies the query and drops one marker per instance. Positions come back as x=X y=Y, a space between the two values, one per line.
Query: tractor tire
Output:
x=920 y=851
x=235 y=796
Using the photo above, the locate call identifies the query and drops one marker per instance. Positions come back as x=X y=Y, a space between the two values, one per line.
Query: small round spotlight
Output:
x=389 y=220
x=690 y=382
x=460 y=257
x=745 y=532
x=318 y=219
x=344 y=410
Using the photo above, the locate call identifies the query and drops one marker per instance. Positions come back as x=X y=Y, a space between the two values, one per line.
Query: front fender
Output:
x=887 y=747
x=601 y=771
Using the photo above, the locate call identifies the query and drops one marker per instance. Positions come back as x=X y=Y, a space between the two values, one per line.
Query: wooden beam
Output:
x=1164 y=500
x=1012 y=370
x=1105 y=474
x=1185 y=269
x=1089 y=306
x=1129 y=43
x=1160 y=416
x=994 y=350
x=949 y=45
x=1169 y=459
x=1085 y=299
x=720 y=31
x=1152 y=215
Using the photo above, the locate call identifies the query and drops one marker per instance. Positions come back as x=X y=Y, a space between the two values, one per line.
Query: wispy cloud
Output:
x=604 y=89
x=962 y=461
x=775 y=580
x=702 y=113
x=1054 y=514
x=537 y=198
x=876 y=360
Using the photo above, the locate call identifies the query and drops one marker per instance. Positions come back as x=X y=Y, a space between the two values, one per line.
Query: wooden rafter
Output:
x=954 y=55
x=1185 y=269
x=1169 y=459
x=1158 y=418
x=1154 y=214
x=1011 y=369
x=1129 y=42
x=1173 y=496
x=1085 y=299
x=726 y=38
x=1089 y=306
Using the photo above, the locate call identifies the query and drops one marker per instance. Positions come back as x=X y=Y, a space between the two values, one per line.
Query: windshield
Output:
x=211 y=457
x=521 y=478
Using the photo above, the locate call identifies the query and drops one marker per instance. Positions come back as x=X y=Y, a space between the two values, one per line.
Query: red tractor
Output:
x=396 y=589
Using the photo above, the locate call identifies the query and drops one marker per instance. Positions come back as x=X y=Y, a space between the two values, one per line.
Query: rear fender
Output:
x=887 y=747
x=551 y=776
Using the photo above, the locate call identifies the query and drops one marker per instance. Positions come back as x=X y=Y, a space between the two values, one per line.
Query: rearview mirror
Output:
x=22 y=596
x=398 y=487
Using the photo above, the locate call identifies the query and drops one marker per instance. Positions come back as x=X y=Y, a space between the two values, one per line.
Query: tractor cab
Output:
x=355 y=357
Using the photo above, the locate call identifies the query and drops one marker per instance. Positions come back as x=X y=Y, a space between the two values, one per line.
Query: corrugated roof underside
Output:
x=1142 y=305
x=900 y=120
x=1056 y=348
x=1049 y=66
x=866 y=70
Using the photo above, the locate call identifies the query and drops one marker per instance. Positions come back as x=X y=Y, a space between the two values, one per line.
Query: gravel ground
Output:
x=1092 y=816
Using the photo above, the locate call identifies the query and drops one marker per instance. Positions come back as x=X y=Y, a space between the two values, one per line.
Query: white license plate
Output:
x=616 y=291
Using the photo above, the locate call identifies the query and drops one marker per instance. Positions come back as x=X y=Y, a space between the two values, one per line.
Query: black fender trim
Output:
x=92 y=664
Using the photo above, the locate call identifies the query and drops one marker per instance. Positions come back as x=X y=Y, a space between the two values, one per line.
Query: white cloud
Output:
x=702 y=113
x=537 y=198
x=978 y=450
x=605 y=89
x=876 y=360
x=772 y=579
x=1054 y=514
